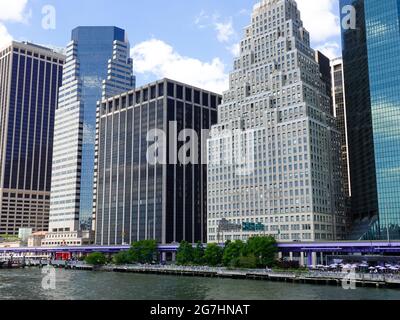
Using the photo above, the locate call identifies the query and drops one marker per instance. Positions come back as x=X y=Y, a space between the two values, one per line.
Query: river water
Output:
x=26 y=284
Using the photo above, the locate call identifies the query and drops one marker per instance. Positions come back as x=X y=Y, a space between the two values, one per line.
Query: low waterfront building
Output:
x=72 y=238
x=11 y=244
x=134 y=198
x=35 y=239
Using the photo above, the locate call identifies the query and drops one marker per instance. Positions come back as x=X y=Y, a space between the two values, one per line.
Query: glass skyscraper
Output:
x=98 y=66
x=30 y=77
x=371 y=56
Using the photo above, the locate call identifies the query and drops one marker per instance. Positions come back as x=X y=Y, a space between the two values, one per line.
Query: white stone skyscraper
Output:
x=274 y=160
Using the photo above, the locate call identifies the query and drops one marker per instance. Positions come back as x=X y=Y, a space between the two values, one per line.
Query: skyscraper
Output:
x=339 y=112
x=30 y=77
x=274 y=165
x=325 y=69
x=98 y=66
x=371 y=54
x=137 y=199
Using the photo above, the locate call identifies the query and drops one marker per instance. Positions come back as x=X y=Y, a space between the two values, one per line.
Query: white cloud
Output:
x=244 y=12
x=158 y=58
x=224 y=30
x=13 y=11
x=5 y=37
x=199 y=20
x=330 y=49
x=235 y=49
x=320 y=18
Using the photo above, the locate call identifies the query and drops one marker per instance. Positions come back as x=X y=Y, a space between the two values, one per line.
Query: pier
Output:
x=12 y=263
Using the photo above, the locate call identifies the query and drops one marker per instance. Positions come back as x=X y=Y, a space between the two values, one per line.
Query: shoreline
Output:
x=337 y=279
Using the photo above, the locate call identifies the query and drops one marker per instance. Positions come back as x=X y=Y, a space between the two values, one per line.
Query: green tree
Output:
x=144 y=251
x=233 y=251
x=185 y=254
x=198 y=254
x=247 y=262
x=96 y=259
x=213 y=255
x=122 y=257
x=264 y=249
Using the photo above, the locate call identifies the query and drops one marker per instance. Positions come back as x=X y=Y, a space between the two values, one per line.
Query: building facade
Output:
x=98 y=66
x=340 y=114
x=30 y=77
x=325 y=69
x=371 y=66
x=274 y=159
x=136 y=198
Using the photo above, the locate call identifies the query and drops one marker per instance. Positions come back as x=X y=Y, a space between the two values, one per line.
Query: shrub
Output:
x=213 y=255
x=96 y=259
x=185 y=254
x=122 y=257
x=247 y=262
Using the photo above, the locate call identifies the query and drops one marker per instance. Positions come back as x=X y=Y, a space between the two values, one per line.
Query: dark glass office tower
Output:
x=371 y=56
x=30 y=77
x=135 y=199
x=383 y=41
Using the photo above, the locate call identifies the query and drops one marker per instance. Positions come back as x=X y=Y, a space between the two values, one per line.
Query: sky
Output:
x=193 y=41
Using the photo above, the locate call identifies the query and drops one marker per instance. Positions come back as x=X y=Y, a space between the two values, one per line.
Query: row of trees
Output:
x=140 y=252
x=257 y=252
x=187 y=255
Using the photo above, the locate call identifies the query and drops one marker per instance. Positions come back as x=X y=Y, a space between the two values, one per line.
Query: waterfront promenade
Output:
x=319 y=277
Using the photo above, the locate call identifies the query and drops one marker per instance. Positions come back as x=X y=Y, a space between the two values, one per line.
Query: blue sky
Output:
x=190 y=40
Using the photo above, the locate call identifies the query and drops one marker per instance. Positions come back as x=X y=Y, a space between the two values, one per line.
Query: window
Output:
x=170 y=89
x=161 y=89
x=196 y=96
x=153 y=92
x=188 y=93
x=179 y=92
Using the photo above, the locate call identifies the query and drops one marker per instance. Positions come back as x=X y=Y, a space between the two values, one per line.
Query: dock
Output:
x=10 y=264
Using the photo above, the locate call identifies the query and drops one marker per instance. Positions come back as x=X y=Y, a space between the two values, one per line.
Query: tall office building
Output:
x=98 y=66
x=325 y=69
x=138 y=199
x=371 y=54
x=274 y=164
x=30 y=77
x=339 y=112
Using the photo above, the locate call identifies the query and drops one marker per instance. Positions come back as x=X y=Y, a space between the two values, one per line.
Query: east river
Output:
x=26 y=284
